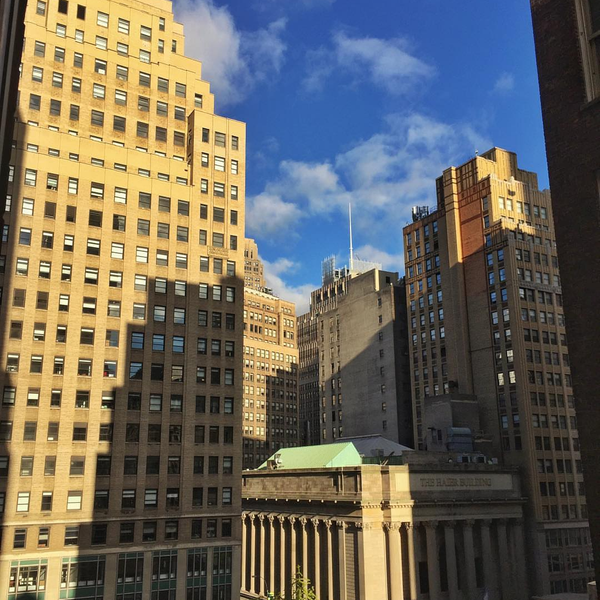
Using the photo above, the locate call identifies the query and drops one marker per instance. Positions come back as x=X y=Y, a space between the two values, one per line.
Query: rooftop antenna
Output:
x=351 y=249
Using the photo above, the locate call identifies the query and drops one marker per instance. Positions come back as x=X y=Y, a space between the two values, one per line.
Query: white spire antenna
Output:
x=351 y=249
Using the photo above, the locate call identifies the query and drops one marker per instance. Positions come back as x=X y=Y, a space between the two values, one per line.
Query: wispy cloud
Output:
x=275 y=272
x=505 y=83
x=387 y=63
x=383 y=176
x=289 y=5
x=233 y=61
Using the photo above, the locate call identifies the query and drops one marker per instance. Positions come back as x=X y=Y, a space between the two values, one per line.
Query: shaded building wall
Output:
x=568 y=68
x=12 y=32
x=353 y=360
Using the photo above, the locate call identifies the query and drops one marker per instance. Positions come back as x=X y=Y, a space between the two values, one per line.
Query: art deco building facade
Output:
x=122 y=252
x=568 y=58
x=270 y=376
x=253 y=267
x=355 y=335
x=487 y=323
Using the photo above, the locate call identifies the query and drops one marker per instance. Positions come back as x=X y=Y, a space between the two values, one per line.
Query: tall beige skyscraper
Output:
x=122 y=315
x=487 y=325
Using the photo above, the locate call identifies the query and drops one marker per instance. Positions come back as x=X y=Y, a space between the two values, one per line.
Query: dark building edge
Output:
x=571 y=118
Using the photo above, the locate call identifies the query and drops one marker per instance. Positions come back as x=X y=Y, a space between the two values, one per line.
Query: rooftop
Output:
x=346 y=452
x=315 y=457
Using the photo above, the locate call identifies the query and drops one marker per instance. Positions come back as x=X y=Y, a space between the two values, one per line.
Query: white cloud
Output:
x=388 y=63
x=299 y=294
x=233 y=61
x=268 y=215
x=271 y=5
x=382 y=176
x=390 y=262
x=505 y=83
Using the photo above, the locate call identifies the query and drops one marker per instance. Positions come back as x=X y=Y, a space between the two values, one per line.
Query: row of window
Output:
x=155 y=431
x=108 y=400
x=128 y=499
x=128 y=534
x=566 y=512
x=112 y=336
x=522 y=207
x=118 y=248
x=95 y=217
x=89 y=304
x=215 y=465
x=550 y=358
x=561 y=444
x=556 y=421
x=119 y=122
x=99 y=162
x=102 y=19
x=91 y=275
x=122 y=49
x=427 y=231
x=430 y=263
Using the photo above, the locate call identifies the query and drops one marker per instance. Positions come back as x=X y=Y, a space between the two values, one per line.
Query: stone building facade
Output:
x=122 y=260
x=487 y=328
x=425 y=529
x=270 y=401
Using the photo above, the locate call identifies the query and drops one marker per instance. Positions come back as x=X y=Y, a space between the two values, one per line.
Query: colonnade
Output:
x=278 y=537
x=430 y=559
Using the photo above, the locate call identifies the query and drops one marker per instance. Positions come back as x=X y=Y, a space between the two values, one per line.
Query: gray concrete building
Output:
x=353 y=344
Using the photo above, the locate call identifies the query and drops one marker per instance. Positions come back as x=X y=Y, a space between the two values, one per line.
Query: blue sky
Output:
x=361 y=102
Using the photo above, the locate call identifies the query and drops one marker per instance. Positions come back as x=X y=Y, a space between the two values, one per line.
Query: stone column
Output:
x=451 y=559
x=293 y=561
x=244 y=548
x=412 y=532
x=395 y=561
x=342 y=557
x=520 y=558
x=317 y=579
x=282 y=555
x=329 y=555
x=180 y=580
x=505 y=559
x=110 y=572
x=489 y=562
x=433 y=561
x=271 y=586
x=470 y=558
x=210 y=559
x=304 y=523
x=262 y=557
x=252 y=553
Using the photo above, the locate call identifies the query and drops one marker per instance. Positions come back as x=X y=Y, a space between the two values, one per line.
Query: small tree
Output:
x=301 y=589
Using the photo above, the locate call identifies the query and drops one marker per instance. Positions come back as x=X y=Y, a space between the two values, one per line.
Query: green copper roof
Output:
x=315 y=457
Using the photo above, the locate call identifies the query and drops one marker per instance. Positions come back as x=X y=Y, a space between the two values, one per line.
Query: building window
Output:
x=589 y=20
